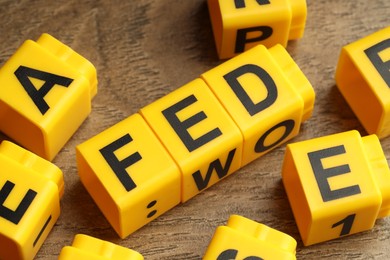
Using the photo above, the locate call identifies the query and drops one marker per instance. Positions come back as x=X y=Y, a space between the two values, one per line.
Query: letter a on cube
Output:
x=45 y=94
x=337 y=185
x=363 y=78
x=30 y=191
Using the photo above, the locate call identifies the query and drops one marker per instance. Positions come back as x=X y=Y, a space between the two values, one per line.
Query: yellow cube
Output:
x=46 y=95
x=337 y=185
x=266 y=94
x=243 y=238
x=30 y=191
x=198 y=133
x=363 y=78
x=87 y=247
x=242 y=24
x=129 y=174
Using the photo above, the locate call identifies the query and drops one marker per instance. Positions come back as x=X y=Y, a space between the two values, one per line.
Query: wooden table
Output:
x=145 y=49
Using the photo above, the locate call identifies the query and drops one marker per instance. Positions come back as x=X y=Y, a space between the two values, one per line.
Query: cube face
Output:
x=241 y=25
x=363 y=78
x=198 y=133
x=332 y=186
x=129 y=174
x=87 y=247
x=29 y=208
x=45 y=98
x=266 y=95
x=245 y=239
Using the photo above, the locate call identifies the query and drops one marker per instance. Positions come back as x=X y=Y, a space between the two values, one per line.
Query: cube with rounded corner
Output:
x=243 y=238
x=45 y=95
x=30 y=192
x=363 y=78
x=198 y=133
x=337 y=185
x=87 y=247
x=129 y=174
x=266 y=94
x=239 y=25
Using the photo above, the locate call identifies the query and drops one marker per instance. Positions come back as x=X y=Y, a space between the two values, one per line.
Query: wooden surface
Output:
x=144 y=49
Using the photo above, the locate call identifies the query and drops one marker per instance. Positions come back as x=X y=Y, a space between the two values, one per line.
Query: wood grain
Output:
x=145 y=49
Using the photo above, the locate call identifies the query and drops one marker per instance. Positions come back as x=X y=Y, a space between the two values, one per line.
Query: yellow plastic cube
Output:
x=198 y=133
x=363 y=78
x=129 y=174
x=243 y=238
x=47 y=95
x=87 y=247
x=337 y=185
x=266 y=94
x=242 y=24
x=30 y=191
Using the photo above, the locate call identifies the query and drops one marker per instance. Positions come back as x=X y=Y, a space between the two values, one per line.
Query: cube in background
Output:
x=30 y=192
x=87 y=247
x=363 y=78
x=243 y=238
x=45 y=95
x=337 y=185
x=239 y=25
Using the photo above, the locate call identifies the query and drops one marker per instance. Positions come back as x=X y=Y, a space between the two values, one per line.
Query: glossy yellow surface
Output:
x=198 y=133
x=243 y=238
x=337 y=185
x=280 y=97
x=141 y=182
x=48 y=95
x=363 y=77
x=242 y=24
x=30 y=191
x=90 y=248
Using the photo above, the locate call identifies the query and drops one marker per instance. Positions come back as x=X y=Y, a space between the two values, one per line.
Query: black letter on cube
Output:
x=230 y=254
x=24 y=73
x=287 y=124
x=181 y=127
x=15 y=216
x=272 y=92
x=241 y=3
x=241 y=40
x=221 y=172
x=119 y=167
x=322 y=174
x=382 y=67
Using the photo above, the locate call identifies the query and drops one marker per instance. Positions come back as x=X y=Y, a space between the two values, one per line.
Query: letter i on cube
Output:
x=239 y=25
x=190 y=139
x=337 y=185
x=30 y=192
x=45 y=94
x=363 y=78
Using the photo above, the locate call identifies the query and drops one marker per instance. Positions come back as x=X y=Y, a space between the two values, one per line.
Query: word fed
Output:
x=30 y=192
x=46 y=95
x=239 y=25
x=337 y=185
x=195 y=136
x=87 y=247
x=243 y=238
x=363 y=78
